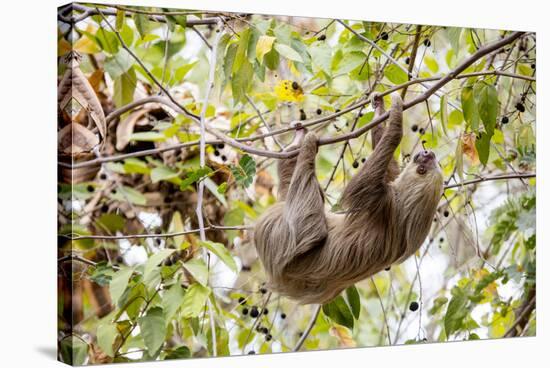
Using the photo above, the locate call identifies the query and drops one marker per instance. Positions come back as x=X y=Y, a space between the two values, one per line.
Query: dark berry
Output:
x=158 y=241
x=421 y=131
x=322 y=37
x=533 y=66
x=363 y=160
x=246 y=268
x=265 y=330
x=113 y=191
x=251 y=352
x=104 y=208
x=103 y=176
x=259 y=328
x=242 y=301
x=220 y=146
x=224 y=158
x=414 y=128
x=283 y=315
x=384 y=36
x=263 y=290
x=216 y=153
x=254 y=312
x=427 y=42
x=90 y=188
x=303 y=115
x=446 y=213
x=319 y=111
x=504 y=120
x=520 y=107
x=268 y=337
x=295 y=85
x=245 y=311
x=355 y=164
x=413 y=306
x=441 y=240
x=387 y=268
x=266 y=311
x=407 y=60
x=337 y=110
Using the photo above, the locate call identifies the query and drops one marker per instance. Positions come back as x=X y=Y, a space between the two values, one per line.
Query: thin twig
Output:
x=308 y=328
x=491 y=178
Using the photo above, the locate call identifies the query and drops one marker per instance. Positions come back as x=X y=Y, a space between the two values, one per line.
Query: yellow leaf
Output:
x=85 y=45
x=469 y=147
x=343 y=336
x=289 y=91
x=264 y=45
x=63 y=47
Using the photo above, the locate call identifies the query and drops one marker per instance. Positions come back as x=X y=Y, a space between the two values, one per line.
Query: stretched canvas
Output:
x=227 y=183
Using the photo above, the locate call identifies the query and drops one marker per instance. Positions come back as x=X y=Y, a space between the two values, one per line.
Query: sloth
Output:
x=311 y=255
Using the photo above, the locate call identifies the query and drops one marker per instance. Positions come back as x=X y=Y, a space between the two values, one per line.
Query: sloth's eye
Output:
x=421 y=169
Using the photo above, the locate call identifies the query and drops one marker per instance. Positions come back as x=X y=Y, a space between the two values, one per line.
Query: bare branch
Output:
x=308 y=328
x=491 y=178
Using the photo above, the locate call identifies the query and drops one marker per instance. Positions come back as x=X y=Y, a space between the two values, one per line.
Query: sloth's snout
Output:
x=424 y=156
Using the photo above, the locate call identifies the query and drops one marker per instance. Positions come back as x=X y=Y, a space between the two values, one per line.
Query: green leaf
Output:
x=288 y=52
x=395 y=74
x=106 y=335
x=264 y=45
x=136 y=166
x=143 y=24
x=456 y=312
x=162 y=173
x=213 y=188
x=119 y=63
x=222 y=188
x=245 y=171
x=112 y=222
x=194 y=176
x=487 y=103
x=431 y=63
x=153 y=329
x=124 y=88
x=350 y=61
x=221 y=252
x=241 y=81
x=321 y=56
x=125 y=194
x=198 y=269
x=483 y=145
x=151 y=273
x=194 y=300
x=172 y=300
x=118 y=283
x=120 y=17
x=352 y=296
x=181 y=352
x=469 y=107
x=242 y=48
x=339 y=311
x=453 y=33
x=73 y=350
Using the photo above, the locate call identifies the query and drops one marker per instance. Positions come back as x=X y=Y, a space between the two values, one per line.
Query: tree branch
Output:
x=308 y=328
x=146 y=236
x=491 y=178
x=442 y=80
x=88 y=12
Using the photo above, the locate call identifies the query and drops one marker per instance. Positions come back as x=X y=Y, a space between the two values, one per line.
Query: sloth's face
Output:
x=425 y=161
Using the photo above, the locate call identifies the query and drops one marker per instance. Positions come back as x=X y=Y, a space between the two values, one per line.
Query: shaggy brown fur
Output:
x=311 y=255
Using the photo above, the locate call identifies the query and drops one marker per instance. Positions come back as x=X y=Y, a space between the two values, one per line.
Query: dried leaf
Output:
x=343 y=335
x=469 y=147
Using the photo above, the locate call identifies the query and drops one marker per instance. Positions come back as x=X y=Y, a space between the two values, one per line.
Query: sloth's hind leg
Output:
x=304 y=205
